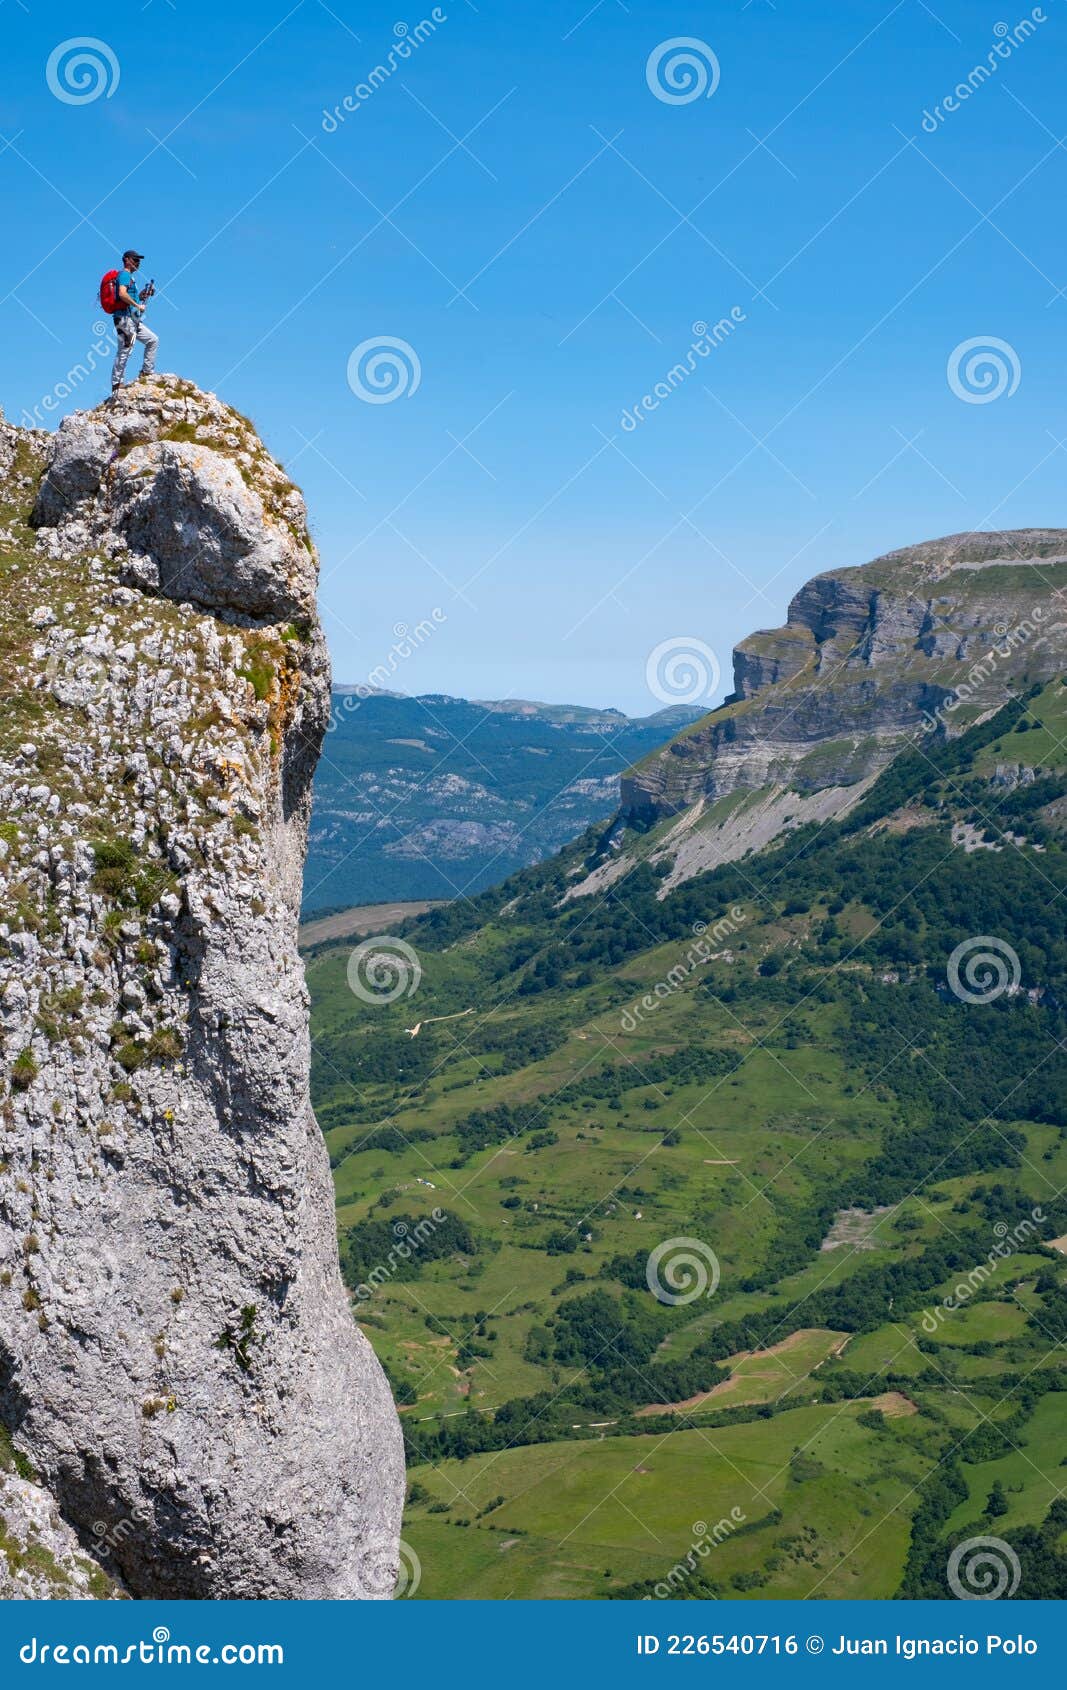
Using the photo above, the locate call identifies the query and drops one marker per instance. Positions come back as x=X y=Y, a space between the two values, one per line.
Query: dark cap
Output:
x=132 y=253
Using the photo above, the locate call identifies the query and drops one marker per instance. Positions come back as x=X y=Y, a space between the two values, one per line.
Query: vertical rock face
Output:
x=177 y=1357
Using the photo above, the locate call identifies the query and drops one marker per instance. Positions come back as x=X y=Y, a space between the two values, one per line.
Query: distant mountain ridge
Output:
x=585 y=715
x=928 y=639
x=438 y=797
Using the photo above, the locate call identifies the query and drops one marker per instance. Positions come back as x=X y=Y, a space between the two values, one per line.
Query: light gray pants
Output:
x=128 y=330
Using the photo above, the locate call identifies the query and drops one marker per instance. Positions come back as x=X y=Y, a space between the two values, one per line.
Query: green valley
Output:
x=728 y=1215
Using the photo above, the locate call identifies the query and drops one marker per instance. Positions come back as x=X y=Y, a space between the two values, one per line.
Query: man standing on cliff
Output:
x=129 y=323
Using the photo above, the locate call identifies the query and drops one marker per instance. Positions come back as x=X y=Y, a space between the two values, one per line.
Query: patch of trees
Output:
x=404 y=1392
x=484 y=1127
x=1043 y=1563
x=614 y=1340
x=517 y=1042
x=697 y=1063
x=1042 y=1560
x=402 y=1247
x=389 y=1139
x=389 y=1058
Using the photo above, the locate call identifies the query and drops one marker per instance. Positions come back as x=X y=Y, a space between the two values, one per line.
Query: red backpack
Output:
x=109 y=298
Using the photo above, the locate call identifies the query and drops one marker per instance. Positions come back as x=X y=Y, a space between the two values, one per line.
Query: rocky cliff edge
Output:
x=179 y=1369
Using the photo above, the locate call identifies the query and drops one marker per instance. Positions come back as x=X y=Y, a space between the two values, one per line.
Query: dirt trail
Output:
x=419 y=1025
x=363 y=918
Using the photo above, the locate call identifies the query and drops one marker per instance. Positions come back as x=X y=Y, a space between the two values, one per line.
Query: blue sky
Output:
x=515 y=202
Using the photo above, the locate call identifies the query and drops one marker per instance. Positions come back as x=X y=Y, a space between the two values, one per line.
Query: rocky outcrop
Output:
x=177 y=1356
x=182 y=489
x=40 y=1556
x=925 y=639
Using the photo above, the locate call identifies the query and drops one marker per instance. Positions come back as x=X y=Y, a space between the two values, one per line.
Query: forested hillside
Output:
x=440 y=797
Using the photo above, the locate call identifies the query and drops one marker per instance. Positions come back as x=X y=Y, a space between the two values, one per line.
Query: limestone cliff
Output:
x=177 y=1358
x=927 y=639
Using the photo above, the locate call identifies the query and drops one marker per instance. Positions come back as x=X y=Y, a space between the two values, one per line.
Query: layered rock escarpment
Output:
x=178 y=1362
x=924 y=641
x=932 y=636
